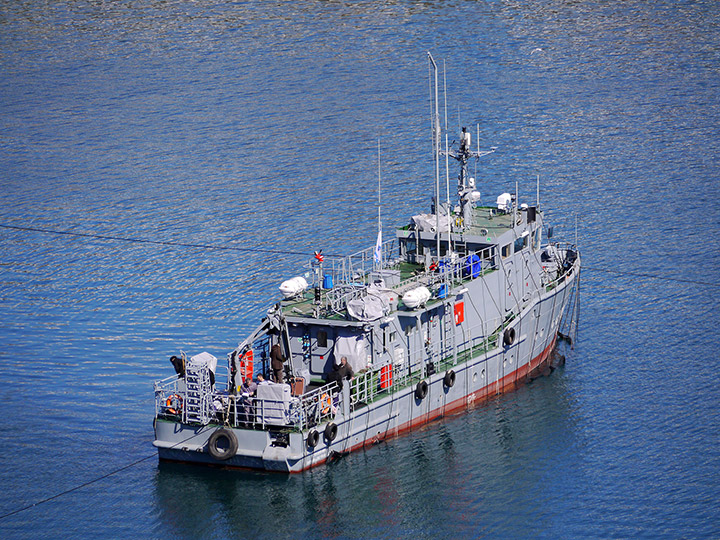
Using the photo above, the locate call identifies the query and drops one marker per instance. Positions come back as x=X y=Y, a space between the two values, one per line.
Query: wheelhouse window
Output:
x=522 y=242
x=505 y=251
x=410 y=247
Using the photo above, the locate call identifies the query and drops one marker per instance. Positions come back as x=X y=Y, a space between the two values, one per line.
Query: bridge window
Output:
x=522 y=242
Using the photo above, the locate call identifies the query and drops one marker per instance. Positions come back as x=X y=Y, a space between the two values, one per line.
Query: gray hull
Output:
x=494 y=372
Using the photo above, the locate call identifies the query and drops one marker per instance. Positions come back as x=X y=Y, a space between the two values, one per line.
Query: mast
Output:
x=447 y=168
x=463 y=155
x=379 y=199
x=436 y=152
x=378 y=245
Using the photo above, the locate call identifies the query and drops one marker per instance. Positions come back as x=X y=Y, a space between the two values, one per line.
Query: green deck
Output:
x=302 y=306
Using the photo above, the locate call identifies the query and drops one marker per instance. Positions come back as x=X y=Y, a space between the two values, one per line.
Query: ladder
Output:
x=198 y=401
x=449 y=331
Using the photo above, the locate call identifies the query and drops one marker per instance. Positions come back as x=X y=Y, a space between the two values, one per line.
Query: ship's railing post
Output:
x=345 y=400
x=232 y=410
x=158 y=397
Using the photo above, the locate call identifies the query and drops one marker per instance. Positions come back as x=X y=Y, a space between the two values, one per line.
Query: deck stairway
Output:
x=198 y=404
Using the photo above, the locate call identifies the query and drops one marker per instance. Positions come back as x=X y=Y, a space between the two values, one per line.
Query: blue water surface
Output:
x=254 y=127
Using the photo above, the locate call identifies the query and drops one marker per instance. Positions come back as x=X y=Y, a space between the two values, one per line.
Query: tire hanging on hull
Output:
x=313 y=438
x=421 y=390
x=331 y=431
x=509 y=337
x=223 y=444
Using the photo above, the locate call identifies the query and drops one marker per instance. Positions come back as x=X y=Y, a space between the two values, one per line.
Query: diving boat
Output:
x=466 y=302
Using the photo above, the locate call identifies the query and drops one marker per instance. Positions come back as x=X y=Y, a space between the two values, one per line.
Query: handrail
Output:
x=300 y=412
x=367 y=385
x=319 y=404
x=451 y=272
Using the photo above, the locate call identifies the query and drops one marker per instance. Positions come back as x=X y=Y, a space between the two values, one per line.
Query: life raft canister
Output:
x=174 y=404
x=509 y=337
x=222 y=444
x=421 y=390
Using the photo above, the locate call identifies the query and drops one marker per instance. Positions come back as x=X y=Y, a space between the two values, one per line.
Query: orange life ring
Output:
x=174 y=408
x=325 y=403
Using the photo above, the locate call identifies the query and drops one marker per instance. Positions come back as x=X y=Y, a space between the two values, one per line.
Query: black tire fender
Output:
x=421 y=390
x=449 y=379
x=313 y=438
x=331 y=431
x=509 y=337
x=223 y=444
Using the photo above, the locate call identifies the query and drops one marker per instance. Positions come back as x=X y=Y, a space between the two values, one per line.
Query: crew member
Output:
x=341 y=370
x=276 y=363
x=249 y=387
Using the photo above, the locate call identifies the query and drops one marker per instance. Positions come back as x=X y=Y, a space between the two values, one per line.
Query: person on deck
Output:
x=246 y=407
x=249 y=387
x=341 y=370
x=345 y=370
x=276 y=363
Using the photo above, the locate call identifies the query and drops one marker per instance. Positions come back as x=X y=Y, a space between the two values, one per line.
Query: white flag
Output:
x=378 y=248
